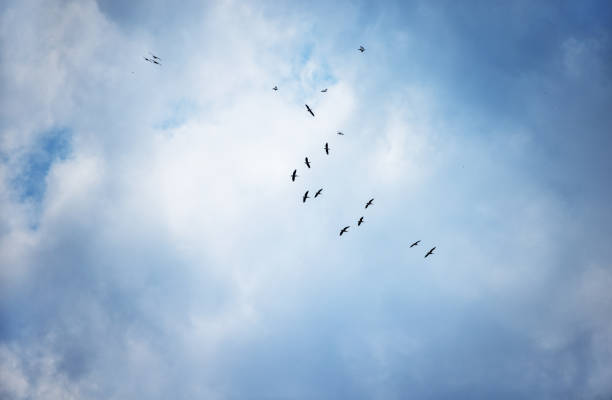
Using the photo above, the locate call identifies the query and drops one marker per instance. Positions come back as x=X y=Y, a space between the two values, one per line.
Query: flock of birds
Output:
x=156 y=60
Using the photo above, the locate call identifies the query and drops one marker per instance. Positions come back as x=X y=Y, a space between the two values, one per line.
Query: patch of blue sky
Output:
x=52 y=146
x=180 y=112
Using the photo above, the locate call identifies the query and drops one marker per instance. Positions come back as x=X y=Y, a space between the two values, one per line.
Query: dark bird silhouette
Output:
x=415 y=244
x=326 y=148
x=369 y=203
x=307 y=162
x=344 y=230
x=155 y=62
x=148 y=59
x=275 y=88
x=430 y=252
x=361 y=49
x=340 y=133
x=309 y=110
x=360 y=221
x=154 y=56
x=324 y=90
x=318 y=192
x=294 y=175
x=305 y=197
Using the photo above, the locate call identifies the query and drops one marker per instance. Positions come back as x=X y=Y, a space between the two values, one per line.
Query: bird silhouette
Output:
x=318 y=192
x=430 y=252
x=415 y=244
x=360 y=221
x=305 y=197
x=324 y=90
x=294 y=175
x=340 y=133
x=309 y=110
x=275 y=88
x=326 y=148
x=344 y=230
x=307 y=162
x=154 y=56
x=155 y=62
x=369 y=203
x=361 y=49
x=148 y=59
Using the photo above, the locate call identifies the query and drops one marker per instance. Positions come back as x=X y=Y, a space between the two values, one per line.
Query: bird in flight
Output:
x=294 y=175
x=154 y=56
x=344 y=230
x=360 y=221
x=340 y=133
x=155 y=62
x=415 y=244
x=275 y=88
x=361 y=49
x=430 y=252
x=326 y=148
x=305 y=197
x=324 y=90
x=369 y=203
x=318 y=192
x=307 y=162
x=148 y=59
x=309 y=110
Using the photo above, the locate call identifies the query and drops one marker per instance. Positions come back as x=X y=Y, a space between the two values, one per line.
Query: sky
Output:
x=153 y=245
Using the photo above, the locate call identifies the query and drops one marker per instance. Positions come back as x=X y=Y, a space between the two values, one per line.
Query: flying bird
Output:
x=340 y=133
x=430 y=252
x=360 y=221
x=307 y=162
x=326 y=148
x=309 y=110
x=155 y=62
x=369 y=203
x=415 y=244
x=275 y=88
x=294 y=175
x=305 y=197
x=344 y=230
x=148 y=59
x=154 y=56
x=318 y=192
x=361 y=49
x=324 y=90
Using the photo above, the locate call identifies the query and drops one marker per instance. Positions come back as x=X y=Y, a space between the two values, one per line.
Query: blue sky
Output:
x=153 y=246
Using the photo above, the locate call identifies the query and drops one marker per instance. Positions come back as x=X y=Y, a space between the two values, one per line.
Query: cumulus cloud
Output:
x=152 y=244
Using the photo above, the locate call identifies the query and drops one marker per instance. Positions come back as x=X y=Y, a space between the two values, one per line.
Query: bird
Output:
x=154 y=56
x=344 y=230
x=326 y=148
x=305 y=197
x=340 y=133
x=275 y=88
x=307 y=162
x=294 y=175
x=369 y=203
x=309 y=110
x=318 y=192
x=360 y=221
x=361 y=49
x=415 y=244
x=148 y=59
x=324 y=90
x=430 y=252
x=155 y=62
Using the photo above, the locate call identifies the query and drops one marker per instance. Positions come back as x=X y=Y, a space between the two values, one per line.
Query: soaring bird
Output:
x=326 y=148
x=309 y=110
x=360 y=221
x=369 y=203
x=305 y=197
x=155 y=62
x=275 y=88
x=415 y=244
x=430 y=252
x=344 y=230
x=148 y=59
x=361 y=49
x=318 y=192
x=294 y=175
x=307 y=162
x=154 y=56
x=324 y=90
x=340 y=133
